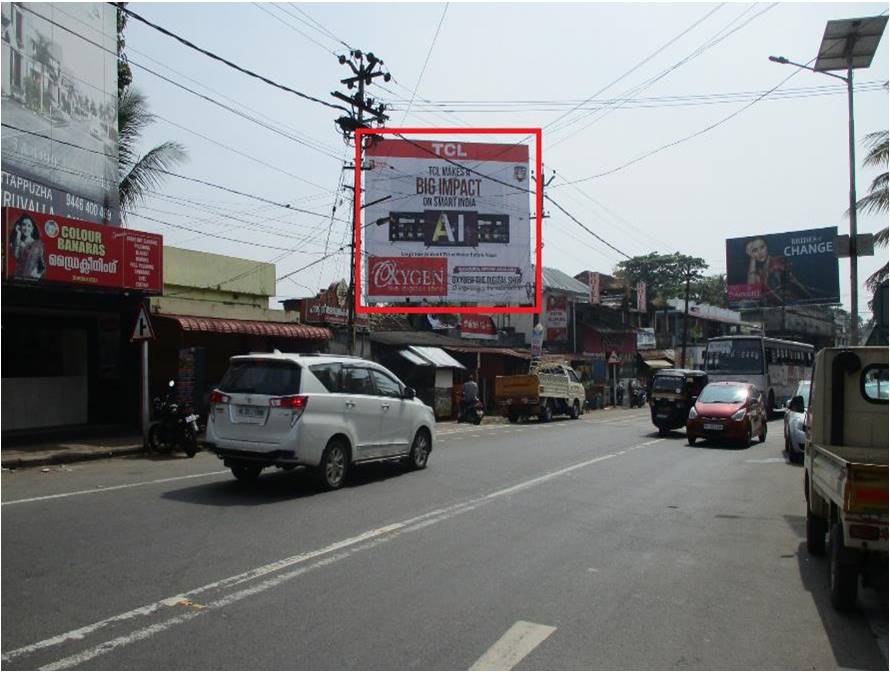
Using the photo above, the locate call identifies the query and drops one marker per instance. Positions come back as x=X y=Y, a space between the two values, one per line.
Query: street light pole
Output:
x=854 y=254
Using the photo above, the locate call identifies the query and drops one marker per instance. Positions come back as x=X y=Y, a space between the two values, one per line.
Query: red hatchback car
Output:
x=727 y=411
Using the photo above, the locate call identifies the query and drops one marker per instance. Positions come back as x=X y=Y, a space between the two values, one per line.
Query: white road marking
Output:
x=345 y=547
x=104 y=489
x=514 y=646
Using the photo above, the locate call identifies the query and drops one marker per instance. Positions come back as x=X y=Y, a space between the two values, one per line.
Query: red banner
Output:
x=45 y=248
x=557 y=319
x=478 y=327
x=329 y=307
x=408 y=276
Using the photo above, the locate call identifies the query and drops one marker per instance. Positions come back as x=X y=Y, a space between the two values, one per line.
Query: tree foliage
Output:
x=875 y=201
x=137 y=174
x=664 y=274
x=710 y=290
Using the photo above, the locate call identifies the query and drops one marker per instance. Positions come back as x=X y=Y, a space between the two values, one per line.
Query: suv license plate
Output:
x=713 y=426
x=251 y=412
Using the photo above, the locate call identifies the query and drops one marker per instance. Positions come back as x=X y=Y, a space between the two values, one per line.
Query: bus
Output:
x=775 y=366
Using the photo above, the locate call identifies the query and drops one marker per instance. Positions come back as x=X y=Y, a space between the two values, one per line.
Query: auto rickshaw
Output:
x=672 y=392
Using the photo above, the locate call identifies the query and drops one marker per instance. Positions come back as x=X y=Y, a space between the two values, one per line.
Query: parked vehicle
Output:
x=548 y=389
x=326 y=412
x=472 y=412
x=728 y=411
x=637 y=395
x=795 y=434
x=845 y=467
x=773 y=366
x=173 y=426
x=672 y=394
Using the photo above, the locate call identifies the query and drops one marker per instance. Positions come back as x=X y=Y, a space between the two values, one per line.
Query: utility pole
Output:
x=365 y=68
x=685 y=319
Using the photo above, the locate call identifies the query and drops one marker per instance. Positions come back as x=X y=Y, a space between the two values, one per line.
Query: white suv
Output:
x=324 y=411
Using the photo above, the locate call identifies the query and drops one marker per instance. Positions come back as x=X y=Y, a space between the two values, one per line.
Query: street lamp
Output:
x=847 y=44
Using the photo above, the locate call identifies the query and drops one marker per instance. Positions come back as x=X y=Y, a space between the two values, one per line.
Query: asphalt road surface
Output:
x=588 y=544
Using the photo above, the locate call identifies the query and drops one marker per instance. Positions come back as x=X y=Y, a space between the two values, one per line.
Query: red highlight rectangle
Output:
x=539 y=206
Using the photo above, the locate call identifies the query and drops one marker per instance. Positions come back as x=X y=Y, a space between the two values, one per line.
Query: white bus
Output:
x=773 y=365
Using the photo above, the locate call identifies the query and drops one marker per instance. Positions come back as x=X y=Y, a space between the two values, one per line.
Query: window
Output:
x=329 y=376
x=262 y=378
x=574 y=377
x=386 y=386
x=357 y=381
x=874 y=384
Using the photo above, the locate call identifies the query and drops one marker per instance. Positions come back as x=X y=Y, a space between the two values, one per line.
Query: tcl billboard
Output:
x=45 y=249
x=448 y=221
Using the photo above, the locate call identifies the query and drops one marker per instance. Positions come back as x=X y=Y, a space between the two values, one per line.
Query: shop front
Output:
x=71 y=292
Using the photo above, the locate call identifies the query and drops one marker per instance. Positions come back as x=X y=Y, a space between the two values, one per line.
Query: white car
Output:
x=327 y=412
x=795 y=435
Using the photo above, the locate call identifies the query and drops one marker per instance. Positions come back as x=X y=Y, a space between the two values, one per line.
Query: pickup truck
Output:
x=845 y=467
x=546 y=390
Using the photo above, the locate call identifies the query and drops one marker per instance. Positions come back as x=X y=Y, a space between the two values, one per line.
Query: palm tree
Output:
x=875 y=202
x=139 y=174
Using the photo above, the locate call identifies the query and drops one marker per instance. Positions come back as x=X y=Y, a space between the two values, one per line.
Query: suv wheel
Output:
x=576 y=410
x=246 y=472
x=420 y=451
x=334 y=463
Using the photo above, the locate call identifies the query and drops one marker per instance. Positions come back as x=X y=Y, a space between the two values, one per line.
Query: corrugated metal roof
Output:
x=554 y=279
x=190 y=323
x=436 y=357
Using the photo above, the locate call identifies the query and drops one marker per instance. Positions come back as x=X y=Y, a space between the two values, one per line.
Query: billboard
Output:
x=790 y=269
x=448 y=222
x=59 y=93
x=46 y=249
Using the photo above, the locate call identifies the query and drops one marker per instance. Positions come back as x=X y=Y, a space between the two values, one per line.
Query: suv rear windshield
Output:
x=262 y=377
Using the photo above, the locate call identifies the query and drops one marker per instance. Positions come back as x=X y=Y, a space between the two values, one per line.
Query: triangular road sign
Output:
x=142 y=330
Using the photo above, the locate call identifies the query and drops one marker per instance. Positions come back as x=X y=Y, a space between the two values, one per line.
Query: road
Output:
x=588 y=544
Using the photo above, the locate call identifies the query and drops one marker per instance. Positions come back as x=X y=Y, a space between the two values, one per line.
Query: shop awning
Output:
x=288 y=330
x=492 y=350
x=430 y=356
x=658 y=364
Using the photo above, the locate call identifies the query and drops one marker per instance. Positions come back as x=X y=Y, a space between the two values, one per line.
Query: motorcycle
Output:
x=638 y=398
x=472 y=412
x=173 y=426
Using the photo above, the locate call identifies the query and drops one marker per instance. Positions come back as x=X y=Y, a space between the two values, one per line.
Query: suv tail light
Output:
x=216 y=397
x=295 y=402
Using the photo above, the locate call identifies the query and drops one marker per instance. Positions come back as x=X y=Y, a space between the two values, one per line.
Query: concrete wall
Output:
x=209 y=277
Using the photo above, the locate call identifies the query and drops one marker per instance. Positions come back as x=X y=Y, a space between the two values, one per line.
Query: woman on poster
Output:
x=773 y=275
x=27 y=249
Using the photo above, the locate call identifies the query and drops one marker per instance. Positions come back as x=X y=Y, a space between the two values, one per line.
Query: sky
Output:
x=651 y=75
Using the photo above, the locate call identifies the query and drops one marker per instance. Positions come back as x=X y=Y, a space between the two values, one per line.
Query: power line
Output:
x=217 y=57
x=425 y=62
x=320 y=26
x=311 y=144
x=207 y=183
x=685 y=138
x=291 y=26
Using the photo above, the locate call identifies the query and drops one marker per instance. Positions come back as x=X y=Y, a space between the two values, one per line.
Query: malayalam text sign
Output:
x=46 y=249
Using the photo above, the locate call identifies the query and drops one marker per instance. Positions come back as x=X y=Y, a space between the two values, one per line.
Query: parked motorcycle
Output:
x=173 y=426
x=472 y=412
x=638 y=398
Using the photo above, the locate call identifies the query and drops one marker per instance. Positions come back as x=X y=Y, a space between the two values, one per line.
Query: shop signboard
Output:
x=641 y=297
x=594 y=279
x=42 y=248
x=329 y=307
x=475 y=326
x=646 y=339
x=557 y=319
x=59 y=85
x=787 y=269
x=448 y=222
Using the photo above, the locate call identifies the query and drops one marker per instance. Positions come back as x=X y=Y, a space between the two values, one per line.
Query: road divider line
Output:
x=105 y=489
x=345 y=548
x=512 y=647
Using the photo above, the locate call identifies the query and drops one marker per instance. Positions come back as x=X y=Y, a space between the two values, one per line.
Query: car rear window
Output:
x=329 y=376
x=262 y=378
